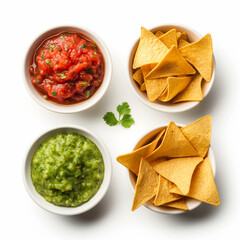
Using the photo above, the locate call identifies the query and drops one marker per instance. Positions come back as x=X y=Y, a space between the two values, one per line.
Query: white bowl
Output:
x=77 y=107
x=67 y=210
x=191 y=203
x=161 y=106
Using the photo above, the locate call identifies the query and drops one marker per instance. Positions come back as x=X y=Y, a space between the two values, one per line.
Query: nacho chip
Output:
x=182 y=43
x=159 y=33
x=179 y=171
x=174 y=86
x=143 y=87
x=169 y=38
x=193 y=92
x=198 y=134
x=163 y=195
x=146 y=186
x=203 y=187
x=150 y=49
x=182 y=36
x=132 y=160
x=200 y=55
x=155 y=87
x=172 y=64
x=179 y=204
x=138 y=77
x=174 y=144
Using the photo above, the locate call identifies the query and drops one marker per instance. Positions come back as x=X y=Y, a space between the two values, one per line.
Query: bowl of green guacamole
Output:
x=67 y=170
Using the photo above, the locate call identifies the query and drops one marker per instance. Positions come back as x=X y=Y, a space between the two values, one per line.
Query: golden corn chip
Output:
x=163 y=195
x=200 y=55
x=150 y=49
x=179 y=204
x=169 y=38
x=198 y=134
x=138 y=77
x=179 y=171
x=172 y=64
x=143 y=87
x=203 y=187
x=132 y=160
x=193 y=92
x=155 y=87
x=174 y=144
x=182 y=43
x=146 y=186
x=159 y=34
x=182 y=36
x=174 y=86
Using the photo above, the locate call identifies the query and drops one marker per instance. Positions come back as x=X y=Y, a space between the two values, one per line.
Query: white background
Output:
x=118 y=24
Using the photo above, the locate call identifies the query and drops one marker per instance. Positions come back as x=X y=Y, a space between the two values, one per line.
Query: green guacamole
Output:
x=67 y=169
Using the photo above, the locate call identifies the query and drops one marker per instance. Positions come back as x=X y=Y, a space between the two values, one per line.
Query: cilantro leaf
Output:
x=110 y=119
x=123 y=109
x=125 y=118
x=127 y=121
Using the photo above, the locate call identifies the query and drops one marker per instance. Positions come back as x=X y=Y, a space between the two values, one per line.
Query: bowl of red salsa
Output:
x=67 y=69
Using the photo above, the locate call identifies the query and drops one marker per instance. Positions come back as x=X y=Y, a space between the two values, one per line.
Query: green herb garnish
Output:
x=87 y=93
x=62 y=36
x=95 y=53
x=62 y=75
x=125 y=118
x=54 y=93
x=42 y=57
x=83 y=46
x=71 y=84
x=89 y=71
x=48 y=61
x=38 y=81
x=51 y=46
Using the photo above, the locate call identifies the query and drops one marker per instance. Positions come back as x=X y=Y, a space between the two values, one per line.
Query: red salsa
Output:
x=67 y=68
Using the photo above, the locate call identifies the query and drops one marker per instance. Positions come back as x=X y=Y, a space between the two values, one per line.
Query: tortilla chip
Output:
x=132 y=160
x=146 y=186
x=143 y=87
x=179 y=171
x=150 y=49
x=155 y=87
x=198 y=134
x=159 y=33
x=203 y=187
x=179 y=204
x=172 y=64
x=193 y=92
x=200 y=55
x=174 y=86
x=174 y=144
x=138 y=77
x=169 y=38
x=182 y=36
x=182 y=43
x=163 y=195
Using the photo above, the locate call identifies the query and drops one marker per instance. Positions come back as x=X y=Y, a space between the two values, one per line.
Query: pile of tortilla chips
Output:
x=174 y=166
x=170 y=69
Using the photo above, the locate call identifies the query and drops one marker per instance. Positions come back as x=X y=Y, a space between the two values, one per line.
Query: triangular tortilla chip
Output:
x=159 y=33
x=179 y=171
x=179 y=204
x=155 y=87
x=203 y=187
x=181 y=36
x=138 y=77
x=132 y=160
x=150 y=49
x=193 y=92
x=198 y=134
x=163 y=195
x=146 y=186
x=182 y=43
x=172 y=64
x=174 y=144
x=174 y=86
x=200 y=55
x=169 y=38
x=143 y=87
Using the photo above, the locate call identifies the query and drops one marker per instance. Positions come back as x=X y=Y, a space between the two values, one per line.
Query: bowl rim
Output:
x=76 y=107
x=162 y=209
x=159 y=106
x=38 y=199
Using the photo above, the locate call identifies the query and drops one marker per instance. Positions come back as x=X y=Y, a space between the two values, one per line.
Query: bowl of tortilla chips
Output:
x=172 y=168
x=171 y=67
